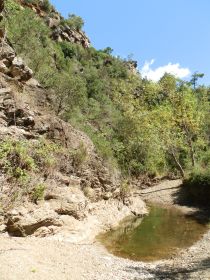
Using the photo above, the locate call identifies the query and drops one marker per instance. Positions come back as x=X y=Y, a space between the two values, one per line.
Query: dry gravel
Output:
x=43 y=259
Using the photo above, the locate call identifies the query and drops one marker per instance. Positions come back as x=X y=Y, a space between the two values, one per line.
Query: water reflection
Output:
x=156 y=236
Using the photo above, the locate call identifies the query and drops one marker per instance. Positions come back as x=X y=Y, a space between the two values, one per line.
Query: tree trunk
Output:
x=192 y=152
x=179 y=167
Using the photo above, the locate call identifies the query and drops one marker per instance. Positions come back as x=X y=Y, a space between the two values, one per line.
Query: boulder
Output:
x=54 y=21
x=67 y=201
x=19 y=70
x=25 y=221
x=12 y=65
x=65 y=33
x=7 y=52
x=137 y=206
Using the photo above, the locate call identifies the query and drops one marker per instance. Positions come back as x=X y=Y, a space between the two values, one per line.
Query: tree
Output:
x=70 y=92
x=74 y=21
x=195 y=78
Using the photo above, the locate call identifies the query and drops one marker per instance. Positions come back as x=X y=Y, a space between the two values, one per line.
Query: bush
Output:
x=125 y=190
x=15 y=160
x=74 y=21
x=29 y=2
x=19 y=159
x=38 y=192
x=45 y=5
x=79 y=155
x=196 y=188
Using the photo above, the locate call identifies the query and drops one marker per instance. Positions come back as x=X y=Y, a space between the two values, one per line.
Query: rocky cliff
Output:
x=78 y=175
x=26 y=118
x=51 y=175
x=60 y=32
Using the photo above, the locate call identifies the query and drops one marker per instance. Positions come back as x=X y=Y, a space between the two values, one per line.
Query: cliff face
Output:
x=65 y=185
x=60 y=32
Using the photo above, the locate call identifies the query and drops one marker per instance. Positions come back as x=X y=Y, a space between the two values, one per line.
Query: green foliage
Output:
x=70 y=91
x=74 y=22
x=16 y=161
x=125 y=190
x=196 y=187
x=195 y=78
x=45 y=5
x=44 y=154
x=30 y=1
x=69 y=50
x=141 y=126
x=79 y=155
x=38 y=192
x=39 y=51
x=19 y=159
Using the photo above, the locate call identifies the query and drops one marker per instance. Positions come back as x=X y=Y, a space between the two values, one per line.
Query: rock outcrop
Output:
x=25 y=115
x=25 y=221
x=73 y=186
x=132 y=66
x=65 y=33
x=60 y=32
x=12 y=65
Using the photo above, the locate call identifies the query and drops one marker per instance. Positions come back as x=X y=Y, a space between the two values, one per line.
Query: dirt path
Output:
x=43 y=259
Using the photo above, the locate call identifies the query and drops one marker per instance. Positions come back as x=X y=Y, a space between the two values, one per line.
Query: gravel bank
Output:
x=36 y=258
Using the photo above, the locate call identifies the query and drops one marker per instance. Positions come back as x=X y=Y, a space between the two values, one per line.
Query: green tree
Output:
x=74 y=21
x=194 y=79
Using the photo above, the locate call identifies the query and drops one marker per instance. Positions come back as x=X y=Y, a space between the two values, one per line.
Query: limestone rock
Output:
x=65 y=33
x=67 y=201
x=53 y=21
x=23 y=221
x=7 y=51
x=137 y=206
x=12 y=65
x=19 y=70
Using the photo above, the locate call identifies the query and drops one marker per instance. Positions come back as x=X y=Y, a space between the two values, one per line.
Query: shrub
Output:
x=124 y=190
x=44 y=154
x=79 y=155
x=45 y=5
x=74 y=21
x=16 y=161
x=196 y=188
x=69 y=50
x=19 y=159
x=38 y=192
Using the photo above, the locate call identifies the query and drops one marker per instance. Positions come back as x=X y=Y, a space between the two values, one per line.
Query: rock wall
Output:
x=25 y=114
x=12 y=65
x=70 y=191
x=59 y=32
x=65 y=33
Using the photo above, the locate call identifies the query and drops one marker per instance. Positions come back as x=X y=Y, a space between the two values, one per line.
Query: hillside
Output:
x=54 y=86
x=82 y=134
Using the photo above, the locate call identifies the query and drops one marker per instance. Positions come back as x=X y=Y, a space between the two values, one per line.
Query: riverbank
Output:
x=44 y=258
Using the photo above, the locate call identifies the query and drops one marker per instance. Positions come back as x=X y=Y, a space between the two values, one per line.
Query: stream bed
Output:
x=154 y=237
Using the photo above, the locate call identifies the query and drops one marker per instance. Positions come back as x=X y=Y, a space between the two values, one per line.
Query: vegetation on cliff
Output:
x=140 y=126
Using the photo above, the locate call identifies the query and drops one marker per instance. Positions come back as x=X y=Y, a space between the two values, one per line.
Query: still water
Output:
x=156 y=236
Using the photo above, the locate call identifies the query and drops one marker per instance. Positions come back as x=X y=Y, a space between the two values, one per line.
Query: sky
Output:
x=162 y=35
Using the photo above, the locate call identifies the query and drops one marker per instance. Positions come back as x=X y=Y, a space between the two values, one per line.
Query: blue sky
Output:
x=171 y=35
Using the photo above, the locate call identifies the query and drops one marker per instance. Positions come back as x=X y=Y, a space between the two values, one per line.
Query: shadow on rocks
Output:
x=202 y=211
x=201 y=268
